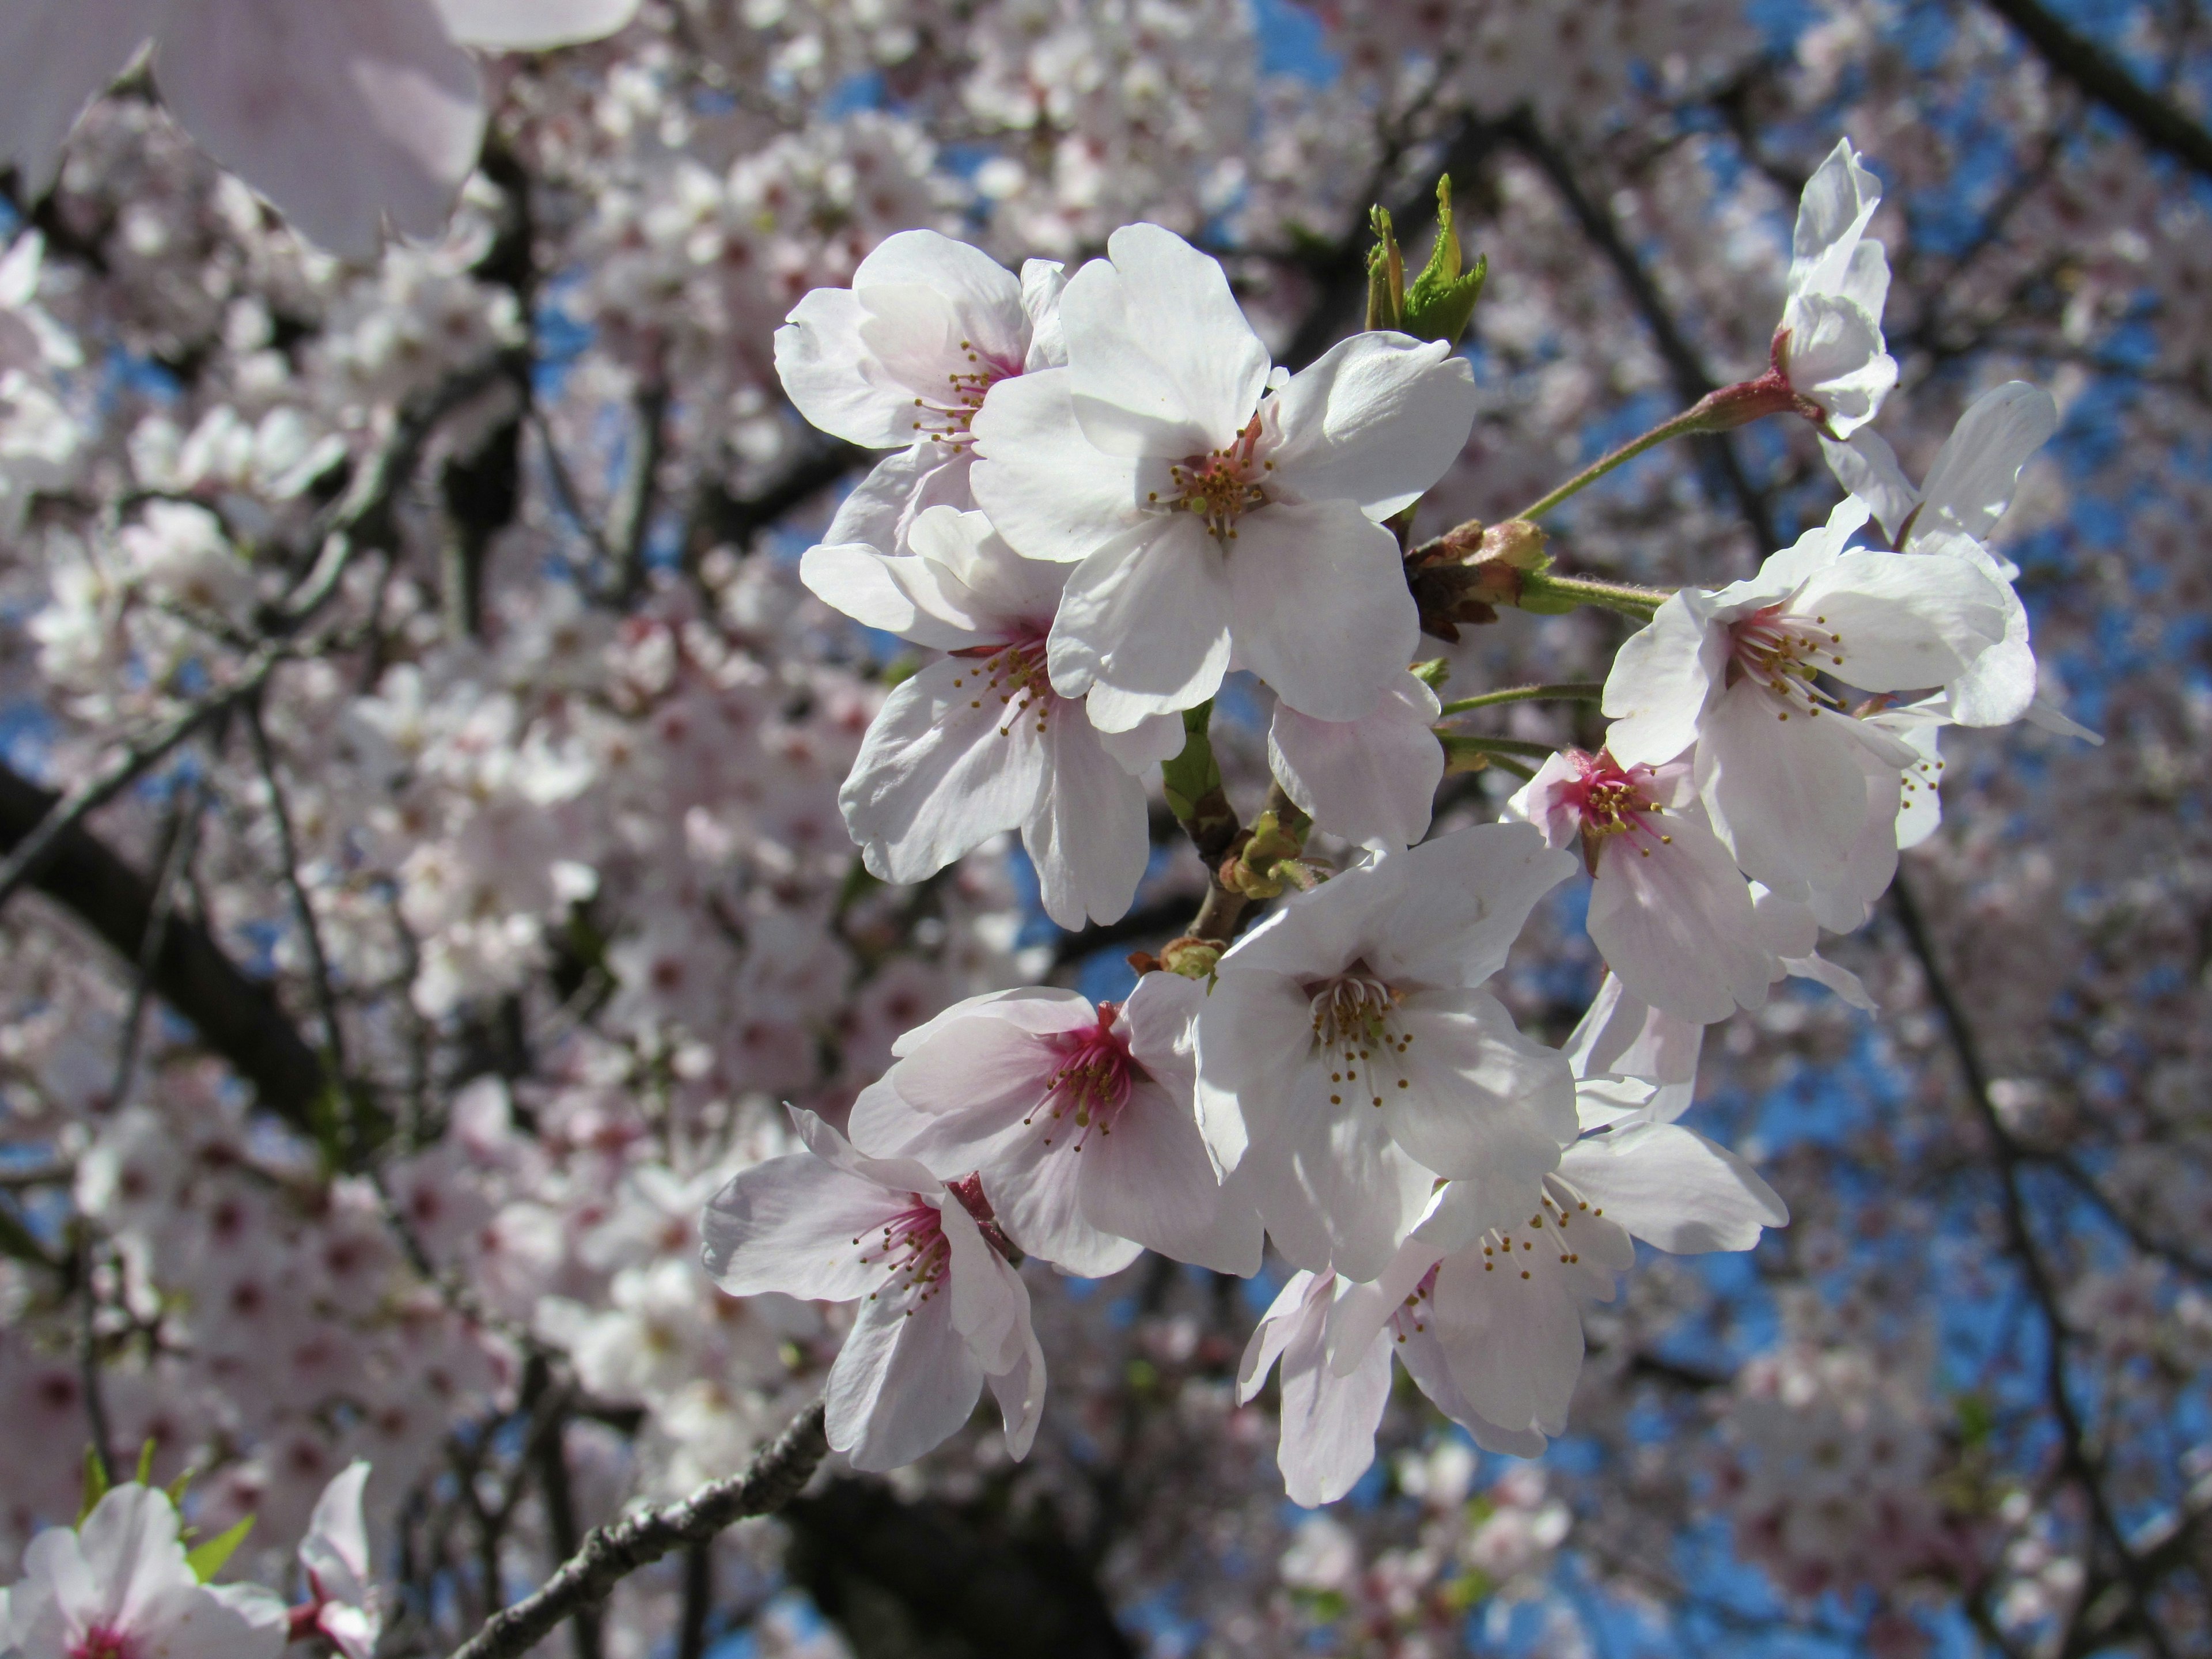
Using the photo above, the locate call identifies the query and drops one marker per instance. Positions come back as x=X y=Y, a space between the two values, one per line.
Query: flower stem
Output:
x=1463 y=753
x=1543 y=593
x=1566 y=691
x=1689 y=421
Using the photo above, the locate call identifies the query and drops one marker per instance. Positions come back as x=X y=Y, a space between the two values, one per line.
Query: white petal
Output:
x=1330 y=1181
x=904 y=1384
x=1372 y=781
x=879 y=511
x=1832 y=214
x=1037 y=1191
x=1835 y=358
x=1043 y=281
x=982 y=297
x=1661 y=681
x=1908 y=623
x=1019 y=1390
x=790 y=1225
x=1515 y=1345
x=899 y=595
x=1867 y=467
x=342 y=116
x=1463 y=900
x=1674 y=1189
x=1049 y=490
x=945 y=767
x=1150 y=1180
x=534 y=25
x=1975 y=473
x=1088 y=833
x=1478 y=1095
x=1301 y=1302
x=1427 y=1362
x=1163 y=362
x=1622 y=1034
x=1145 y=744
x=1328 y=1421
x=1788 y=796
x=1321 y=609
x=1143 y=627
x=1673 y=920
x=819 y=357
x=1377 y=421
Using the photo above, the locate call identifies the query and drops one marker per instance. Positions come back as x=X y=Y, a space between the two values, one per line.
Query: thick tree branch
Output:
x=237 y=1017
x=2100 y=76
x=610 y=1554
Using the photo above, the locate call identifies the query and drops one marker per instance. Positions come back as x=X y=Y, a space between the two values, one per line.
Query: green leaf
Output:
x=1194 y=773
x=95 y=1482
x=145 y=1476
x=1433 y=672
x=1440 y=303
x=177 y=1488
x=210 y=1558
x=1386 y=273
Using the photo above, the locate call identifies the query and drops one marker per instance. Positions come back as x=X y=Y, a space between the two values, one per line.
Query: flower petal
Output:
x=1321 y=609
x=1050 y=491
x=1674 y=1189
x=1143 y=628
x=1377 y=421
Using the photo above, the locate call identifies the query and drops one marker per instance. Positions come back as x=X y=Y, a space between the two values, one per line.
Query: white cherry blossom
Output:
x=343 y=115
x=978 y=742
x=1347 y=1056
x=1781 y=766
x=1371 y=780
x=1969 y=487
x=1214 y=510
x=1078 y=1119
x=941 y=1311
x=904 y=359
x=343 y=1603
x=119 y=1587
x=1668 y=909
x=1829 y=345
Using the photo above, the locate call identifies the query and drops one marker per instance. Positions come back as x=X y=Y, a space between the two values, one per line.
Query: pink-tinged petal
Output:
x=1835 y=358
x=1359 y=1312
x=1661 y=681
x=336 y=1549
x=1377 y=421
x=1672 y=916
x=1906 y=622
x=1163 y=362
x=1468 y=1094
x=1087 y=833
x=1547 y=801
x=1303 y=1300
x=56 y=57
x=343 y=116
x=986 y=579
x=1514 y=1344
x=1622 y=1034
x=1328 y=1422
x=1321 y=609
x=1143 y=628
x=1330 y=1181
x=880 y=510
x=1465 y=898
x=1372 y=781
x=1149 y=1180
x=1841 y=980
x=904 y=1384
x=1427 y=1362
x=1843 y=901
x=819 y=357
x=224 y=1621
x=798 y=1226
x=1034 y=1007
x=1867 y=467
x=942 y=769
x=1036 y=1184
x=1786 y=794
x=1051 y=492
x=1998 y=686
x=956 y=1100
x=1674 y=1189
x=534 y=25
x=129 y=1546
x=983 y=297
x=990 y=1304
x=1978 y=469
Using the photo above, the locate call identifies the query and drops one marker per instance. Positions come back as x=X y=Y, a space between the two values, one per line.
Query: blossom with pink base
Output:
x=941 y=1312
x=1079 y=1122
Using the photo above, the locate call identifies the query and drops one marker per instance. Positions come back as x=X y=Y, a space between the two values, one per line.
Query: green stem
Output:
x=1566 y=691
x=1566 y=592
x=1462 y=743
x=1691 y=420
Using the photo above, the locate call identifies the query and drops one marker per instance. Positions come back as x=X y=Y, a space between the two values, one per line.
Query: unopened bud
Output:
x=1516 y=544
x=1268 y=842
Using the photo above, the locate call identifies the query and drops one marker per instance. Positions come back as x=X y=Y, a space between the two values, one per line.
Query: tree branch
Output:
x=2100 y=77
x=610 y=1554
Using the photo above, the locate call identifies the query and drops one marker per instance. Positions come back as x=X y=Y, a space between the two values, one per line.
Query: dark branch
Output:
x=2101 y=77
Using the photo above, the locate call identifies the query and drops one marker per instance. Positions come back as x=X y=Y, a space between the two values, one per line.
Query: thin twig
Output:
x=610 y=1554
x=2101 y=77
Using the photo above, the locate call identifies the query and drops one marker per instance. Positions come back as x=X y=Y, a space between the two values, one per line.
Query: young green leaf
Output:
x=95 y=1482
x=1440 y=303
x=210 y=1558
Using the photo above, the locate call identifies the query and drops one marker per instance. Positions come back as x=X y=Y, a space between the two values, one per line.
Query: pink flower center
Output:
x=1015 y=673
x=1786 y=654
x=946 y=419
x=1356 y=1028
x=914 y=1253
x=102 y=1642
x=1612 y=800
x=1090 y=1085
x=1223 y=484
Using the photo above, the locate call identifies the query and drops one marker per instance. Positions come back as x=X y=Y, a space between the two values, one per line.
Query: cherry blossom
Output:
x=1829 y=344
x=342 y=1601
x=1079 y=1122
x=941 y=1312
x=1371 y=780
x=1781 y=765
x=1347 y=1056
x=119 y=1584
x=978 y=742
x=1211 y=506
x=904 y=360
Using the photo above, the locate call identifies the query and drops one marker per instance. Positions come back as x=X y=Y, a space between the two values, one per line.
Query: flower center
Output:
x=1090 y=1085
x=1515 y=1249
x=1222 y=485
x=1410 y=1318
x=1612 y=800
x=946 y=418
x=1786 y=654
x=1014 y=673
x=102 y=1642
x=913 y=1254
x=1356 y=1028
